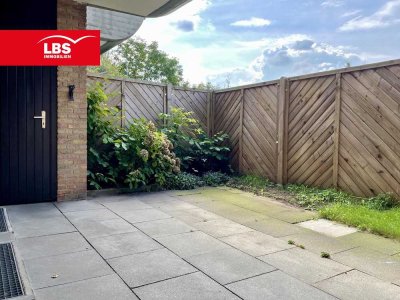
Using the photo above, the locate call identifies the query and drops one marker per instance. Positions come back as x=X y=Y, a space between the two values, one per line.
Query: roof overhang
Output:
x=143 y=8
x=118 y=20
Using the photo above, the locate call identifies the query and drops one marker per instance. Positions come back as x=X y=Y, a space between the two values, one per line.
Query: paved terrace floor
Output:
x=205 y=244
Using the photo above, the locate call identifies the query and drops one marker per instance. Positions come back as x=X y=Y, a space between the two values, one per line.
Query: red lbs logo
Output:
x=51 y=48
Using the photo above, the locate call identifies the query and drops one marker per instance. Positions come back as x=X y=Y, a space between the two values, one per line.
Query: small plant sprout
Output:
x=290 y=242
x=301 y=246
x=325 y=255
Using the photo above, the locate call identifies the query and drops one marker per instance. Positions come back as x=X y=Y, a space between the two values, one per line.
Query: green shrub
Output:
x=184 y=181
x=383 y=201
x=198 y=152
x=215 y=178
x=136 y=156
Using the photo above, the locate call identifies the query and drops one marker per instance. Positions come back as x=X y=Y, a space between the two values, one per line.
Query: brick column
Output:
x=72 y=115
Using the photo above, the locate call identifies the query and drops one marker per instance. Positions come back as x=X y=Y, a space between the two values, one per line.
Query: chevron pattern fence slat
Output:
x=227 y=119
x=310 y=131
x=143 y=101
x=370 y=132
x=190 y=100
x=260 y=131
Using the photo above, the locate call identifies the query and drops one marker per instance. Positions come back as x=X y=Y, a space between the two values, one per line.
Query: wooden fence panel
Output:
x=259 y=154
x=191 y=100
x=113 y=89
x=227 y=116
x=143 y=101
x=338 y=128
x=311 y=131
x=369 y=152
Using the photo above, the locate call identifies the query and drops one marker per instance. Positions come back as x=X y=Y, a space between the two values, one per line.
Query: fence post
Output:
x=210 y=113
x=338 y=104
x=241 y=131
x=123 y=104
x=167 y=98
x=282 y=133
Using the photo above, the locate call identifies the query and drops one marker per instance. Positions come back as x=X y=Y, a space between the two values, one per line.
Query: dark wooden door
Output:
x=28 y=171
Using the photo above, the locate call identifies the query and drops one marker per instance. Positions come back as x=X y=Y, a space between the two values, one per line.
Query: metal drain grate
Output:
x=3 y=221
x=10 y=285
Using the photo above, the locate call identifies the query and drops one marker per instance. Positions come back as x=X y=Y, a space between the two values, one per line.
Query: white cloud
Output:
x=332 y=3
x=351 y=13
x=387 y=15
x=252 y=22
x=165 y=30
x=288 y=56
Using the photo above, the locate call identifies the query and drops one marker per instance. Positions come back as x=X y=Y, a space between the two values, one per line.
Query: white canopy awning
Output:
x=118 y=20
x=143 y=8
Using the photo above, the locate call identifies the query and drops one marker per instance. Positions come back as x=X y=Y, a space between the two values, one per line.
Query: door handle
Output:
x=43 y=117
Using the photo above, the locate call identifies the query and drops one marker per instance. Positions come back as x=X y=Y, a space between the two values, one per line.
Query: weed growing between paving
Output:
x=379 y=214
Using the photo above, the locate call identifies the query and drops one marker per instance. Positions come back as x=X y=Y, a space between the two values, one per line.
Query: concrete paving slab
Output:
x=109 y=287
x=192 y=243
x=154 y=197
x=195 y=199
x=373 y=242
x=173 y=205
x=60 y=269
x=371 y=262
x=164 y=227
x=192 y=216
x=126 y=205
x=194 y=286
x=327 y=227
x=304 y=265
x=274 y=227
x=92 y=229
x=143 y=215
x=232 y=190
x=229 y=265
x=31 y=212
x=357 y=285
x=233 y=212
x=149 y=267
x=317 y=242
x=41 y=227
x=221 y=227
x=91 y=215
x=256 y=243
x=185 y=192
x=51 y=245
x=123 y=244
x=295 y=215
x=256 y=204
x=70 y=206
x=276 y=285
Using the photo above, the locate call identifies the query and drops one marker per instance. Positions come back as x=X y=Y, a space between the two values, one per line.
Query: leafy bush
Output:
x=215 y=178
x=198 y=152
x=135 y=156
x=383 y=201
x=184 y=181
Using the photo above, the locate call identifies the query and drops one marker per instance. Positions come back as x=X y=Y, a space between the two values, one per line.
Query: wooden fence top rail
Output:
x=105 y=77
x=260 y=84
x=313 y=75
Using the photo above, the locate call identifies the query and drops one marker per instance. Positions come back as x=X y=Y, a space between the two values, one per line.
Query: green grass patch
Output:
x=383 y=222
x=379 y=214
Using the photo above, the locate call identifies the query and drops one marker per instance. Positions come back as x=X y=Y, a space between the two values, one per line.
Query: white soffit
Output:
x=115 y=26
x=135 y=7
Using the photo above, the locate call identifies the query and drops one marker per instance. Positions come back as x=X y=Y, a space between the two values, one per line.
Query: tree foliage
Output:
x=135 y=58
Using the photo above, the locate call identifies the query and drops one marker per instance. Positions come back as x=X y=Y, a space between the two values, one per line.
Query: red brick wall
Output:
x=72 y=115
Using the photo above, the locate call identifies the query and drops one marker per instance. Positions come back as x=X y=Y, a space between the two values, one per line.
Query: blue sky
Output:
x=232 y=42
